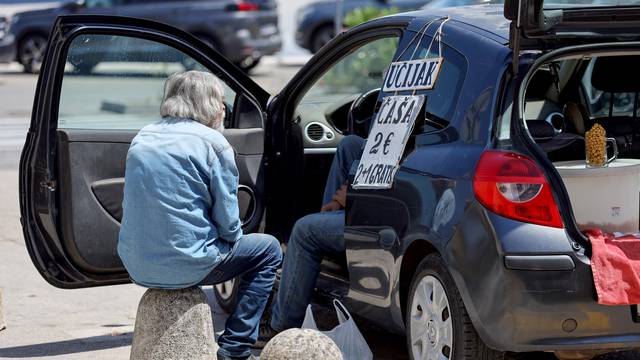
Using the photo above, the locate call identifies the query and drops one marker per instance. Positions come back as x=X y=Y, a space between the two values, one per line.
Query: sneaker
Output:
x=250 y=357
x=265 y=334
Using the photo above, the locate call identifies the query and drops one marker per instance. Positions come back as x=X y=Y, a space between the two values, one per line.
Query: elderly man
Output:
x=181 y=225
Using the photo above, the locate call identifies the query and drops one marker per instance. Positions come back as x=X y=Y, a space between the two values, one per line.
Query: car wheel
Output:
x=437 y=323
x=227 y=295
x=31 y=52
x=249 y=63
x=321 y=36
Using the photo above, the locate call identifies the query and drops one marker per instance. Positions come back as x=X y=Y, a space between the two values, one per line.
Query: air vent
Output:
x=315 y=132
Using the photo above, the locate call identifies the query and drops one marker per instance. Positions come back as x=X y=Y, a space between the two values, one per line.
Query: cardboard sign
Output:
x=386 y=142
x=412 y=75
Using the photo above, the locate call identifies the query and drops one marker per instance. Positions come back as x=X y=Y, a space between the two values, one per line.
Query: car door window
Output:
x=117 y=82
x=359 y=71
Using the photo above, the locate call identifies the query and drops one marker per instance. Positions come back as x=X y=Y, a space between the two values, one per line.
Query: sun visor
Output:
x=616 y=74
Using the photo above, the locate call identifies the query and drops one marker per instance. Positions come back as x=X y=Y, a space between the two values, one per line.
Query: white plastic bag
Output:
x=346 y=335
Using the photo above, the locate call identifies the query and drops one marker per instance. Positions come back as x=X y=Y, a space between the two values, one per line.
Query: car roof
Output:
x=489 y=18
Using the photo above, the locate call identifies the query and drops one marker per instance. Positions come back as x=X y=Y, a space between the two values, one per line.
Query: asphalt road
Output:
x=49 y=323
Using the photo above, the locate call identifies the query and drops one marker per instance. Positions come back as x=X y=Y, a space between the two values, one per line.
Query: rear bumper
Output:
x=250 y=35
x=7 y=49
x=539 y=302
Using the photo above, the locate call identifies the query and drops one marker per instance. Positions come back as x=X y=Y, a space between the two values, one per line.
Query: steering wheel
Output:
x=361 y=112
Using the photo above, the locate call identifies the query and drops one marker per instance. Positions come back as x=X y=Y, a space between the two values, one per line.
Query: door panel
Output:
x=102 y=80
x=91 y=194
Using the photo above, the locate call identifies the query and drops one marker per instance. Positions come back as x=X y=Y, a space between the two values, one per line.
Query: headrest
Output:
x=616 y=74
x=540 y=82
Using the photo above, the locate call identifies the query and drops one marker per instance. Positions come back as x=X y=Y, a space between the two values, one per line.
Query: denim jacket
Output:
x=180 y=207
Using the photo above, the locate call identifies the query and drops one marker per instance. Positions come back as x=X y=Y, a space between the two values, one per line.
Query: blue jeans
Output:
x=255 y=258
x=349 y=151
x=313 y=236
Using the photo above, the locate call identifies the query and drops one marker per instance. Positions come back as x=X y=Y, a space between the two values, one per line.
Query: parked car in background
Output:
x=8 y=8
x=242 y=30
x=316 y=21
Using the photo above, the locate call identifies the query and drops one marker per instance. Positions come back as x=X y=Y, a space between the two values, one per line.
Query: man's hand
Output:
x=331 y=206
x=341 y=196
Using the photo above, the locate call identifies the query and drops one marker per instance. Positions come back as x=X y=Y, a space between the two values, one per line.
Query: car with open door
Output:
x=476 y=248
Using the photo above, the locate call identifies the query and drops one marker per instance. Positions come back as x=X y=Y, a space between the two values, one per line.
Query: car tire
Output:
x=321 y=36
x=444 y=330
x=227 y=294
x=31 y=49
x=248 y=64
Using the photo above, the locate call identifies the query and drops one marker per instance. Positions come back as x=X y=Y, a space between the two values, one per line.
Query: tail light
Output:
x=514 y=186
x=243 y=6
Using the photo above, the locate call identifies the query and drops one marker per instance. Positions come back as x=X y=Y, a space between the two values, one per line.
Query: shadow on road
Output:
x=65 y=347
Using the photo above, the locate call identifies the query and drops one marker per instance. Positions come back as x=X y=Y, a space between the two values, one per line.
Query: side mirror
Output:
x=74 y=5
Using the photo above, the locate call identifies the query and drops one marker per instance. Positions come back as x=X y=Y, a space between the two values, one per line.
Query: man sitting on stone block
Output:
x=181 y=225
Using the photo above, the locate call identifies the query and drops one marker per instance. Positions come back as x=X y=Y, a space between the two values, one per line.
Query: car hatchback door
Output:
x=72 y=165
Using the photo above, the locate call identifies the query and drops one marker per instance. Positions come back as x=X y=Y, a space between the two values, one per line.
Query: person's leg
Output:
x=348 y=151
x=313 y=236
x=255 y=258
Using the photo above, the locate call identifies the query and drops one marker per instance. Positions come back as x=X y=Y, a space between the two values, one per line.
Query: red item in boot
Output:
x=615 y=264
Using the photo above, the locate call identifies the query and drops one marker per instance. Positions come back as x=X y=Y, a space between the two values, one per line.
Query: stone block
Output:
x=301 y=344
x=173 y=324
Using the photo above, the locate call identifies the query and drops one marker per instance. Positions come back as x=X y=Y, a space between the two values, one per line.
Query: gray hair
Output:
x=195 y=95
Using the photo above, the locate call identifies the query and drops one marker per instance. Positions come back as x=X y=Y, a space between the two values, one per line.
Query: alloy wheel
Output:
x=430 y=321
x=32 y=52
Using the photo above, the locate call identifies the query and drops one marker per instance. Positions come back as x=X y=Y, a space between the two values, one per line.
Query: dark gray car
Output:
x=315 y=22
x=242 y=30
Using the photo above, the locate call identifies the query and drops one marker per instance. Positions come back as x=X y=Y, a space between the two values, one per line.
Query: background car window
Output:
x=117 y=82
x=359 y=71
x=600 y=102
x=99 y=3
x=443 y=98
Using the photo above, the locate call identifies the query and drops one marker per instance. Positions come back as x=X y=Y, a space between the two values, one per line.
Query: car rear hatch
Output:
x=554 y=24
x=571 y=35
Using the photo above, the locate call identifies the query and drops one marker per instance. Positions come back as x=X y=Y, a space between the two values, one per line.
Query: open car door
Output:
x=101 y=81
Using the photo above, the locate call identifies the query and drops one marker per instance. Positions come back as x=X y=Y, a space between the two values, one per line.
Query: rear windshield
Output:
x=559 y=4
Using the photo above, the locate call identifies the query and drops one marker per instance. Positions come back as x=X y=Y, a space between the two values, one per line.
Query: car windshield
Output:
x=559 y=4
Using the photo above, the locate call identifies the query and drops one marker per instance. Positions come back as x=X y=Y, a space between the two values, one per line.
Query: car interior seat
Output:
x=619 y=75
x=546 y=120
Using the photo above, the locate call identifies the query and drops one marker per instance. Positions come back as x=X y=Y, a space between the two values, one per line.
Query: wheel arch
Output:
x=413 y=256
x=316 y=29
